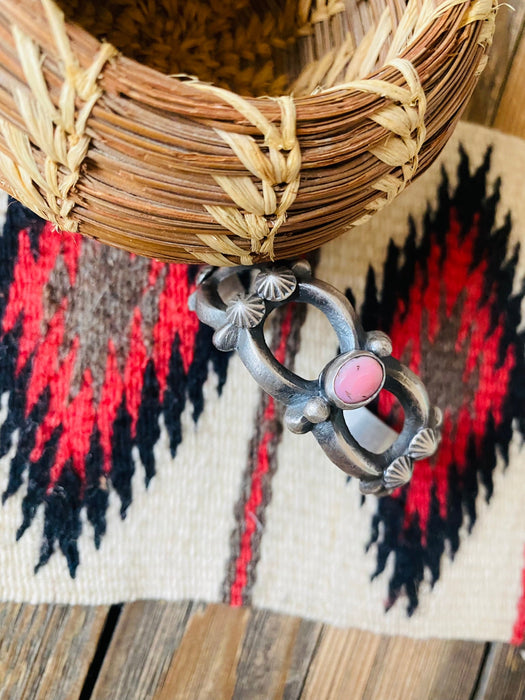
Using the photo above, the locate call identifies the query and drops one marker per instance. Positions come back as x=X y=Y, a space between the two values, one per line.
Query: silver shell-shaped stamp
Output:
x=423 y=444
x=246 y=311
x=398 y=473
x=275 y=284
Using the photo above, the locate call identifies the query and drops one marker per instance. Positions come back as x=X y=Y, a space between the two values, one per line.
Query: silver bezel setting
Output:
x=331 y=371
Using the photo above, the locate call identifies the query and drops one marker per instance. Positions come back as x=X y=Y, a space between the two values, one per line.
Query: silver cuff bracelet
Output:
x=333 y=406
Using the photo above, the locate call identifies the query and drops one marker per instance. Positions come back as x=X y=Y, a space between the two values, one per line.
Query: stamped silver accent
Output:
x=245 y=311
x=319 y=406
x=275 y=284
x=398 y=473
x=423 y=444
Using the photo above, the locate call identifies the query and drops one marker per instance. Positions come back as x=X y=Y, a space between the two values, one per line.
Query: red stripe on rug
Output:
x=251 y=508
x=265 y=455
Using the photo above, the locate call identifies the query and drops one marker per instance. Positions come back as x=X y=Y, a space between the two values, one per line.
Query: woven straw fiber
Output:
x=228 y=132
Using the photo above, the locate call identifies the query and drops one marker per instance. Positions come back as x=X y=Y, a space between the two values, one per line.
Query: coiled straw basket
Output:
x=180 y=169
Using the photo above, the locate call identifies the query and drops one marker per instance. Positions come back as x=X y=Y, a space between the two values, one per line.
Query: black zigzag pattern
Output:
x=475 y=206
x=64 y=502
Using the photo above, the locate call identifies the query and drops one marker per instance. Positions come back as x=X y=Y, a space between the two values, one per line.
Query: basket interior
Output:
x=252 y=47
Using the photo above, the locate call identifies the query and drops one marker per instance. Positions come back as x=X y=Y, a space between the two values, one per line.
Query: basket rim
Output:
x=183 y=90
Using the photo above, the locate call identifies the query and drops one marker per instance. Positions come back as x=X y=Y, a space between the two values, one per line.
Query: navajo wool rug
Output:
x=136 y=461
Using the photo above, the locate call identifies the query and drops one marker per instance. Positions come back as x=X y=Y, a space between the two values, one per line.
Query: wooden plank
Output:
x=142 y=646
x=46 y=650
x=341 y=667
x=483 y=105
x=504 y=675
x=410 y=669
x=510 y=116
x=365 y=666
x=270 y=659
x=204 y=666
x=275 y=656
x=458 y=670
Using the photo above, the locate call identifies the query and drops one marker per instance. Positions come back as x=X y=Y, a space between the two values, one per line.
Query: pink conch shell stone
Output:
x=358 y=379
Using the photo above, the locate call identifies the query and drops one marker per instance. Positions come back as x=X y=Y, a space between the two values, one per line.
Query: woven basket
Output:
x=180 y=169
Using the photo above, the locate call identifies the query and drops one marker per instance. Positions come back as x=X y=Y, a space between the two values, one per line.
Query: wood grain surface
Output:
x=46 y=650
x=144 y=640
x=190 y=651
x=503 y=675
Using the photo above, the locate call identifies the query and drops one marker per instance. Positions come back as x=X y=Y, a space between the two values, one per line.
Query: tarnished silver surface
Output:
x=380 y=459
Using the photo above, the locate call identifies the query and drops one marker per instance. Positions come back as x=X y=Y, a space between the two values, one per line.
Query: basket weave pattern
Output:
x=183 y=170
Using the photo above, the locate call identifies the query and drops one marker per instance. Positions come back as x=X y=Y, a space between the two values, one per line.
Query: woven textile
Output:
x=139 y=462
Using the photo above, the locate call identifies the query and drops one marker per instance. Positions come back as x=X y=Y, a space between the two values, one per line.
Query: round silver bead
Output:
x=317 y=410
x=436 y=417
x=226 y=338
x=295 y=421
x=378 y=343
x=302 y=270
x=204 y=273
